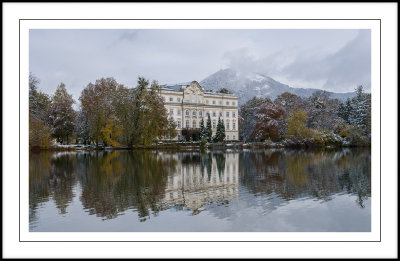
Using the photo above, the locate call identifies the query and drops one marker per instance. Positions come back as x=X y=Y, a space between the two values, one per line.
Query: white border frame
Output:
x=373 y=25
x=389 y=38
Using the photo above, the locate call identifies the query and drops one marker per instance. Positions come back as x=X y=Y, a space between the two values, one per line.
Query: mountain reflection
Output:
x=108 y=183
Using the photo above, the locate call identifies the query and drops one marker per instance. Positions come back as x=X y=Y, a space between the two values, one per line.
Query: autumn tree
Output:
x=96 y=101
x=296 y=124
x=289 y=102
x=111 y=131
x=62 y=116
x=39 y=131
x=248 y=119
x=124 y=108
x=267 y=124
x=151 y=121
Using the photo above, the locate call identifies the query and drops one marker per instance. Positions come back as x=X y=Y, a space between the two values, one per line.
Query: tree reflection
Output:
x=109 y=189
x=39 y=176
x=111 y=182
x=296 y=173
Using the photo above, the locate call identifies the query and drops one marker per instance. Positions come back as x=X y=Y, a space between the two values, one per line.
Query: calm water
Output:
x=270 y=190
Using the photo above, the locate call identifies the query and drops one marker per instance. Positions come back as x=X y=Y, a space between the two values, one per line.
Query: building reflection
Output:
x=202 y=179
x=109 y=183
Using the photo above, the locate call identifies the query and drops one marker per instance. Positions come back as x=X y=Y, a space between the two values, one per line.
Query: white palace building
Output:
x=187 y=104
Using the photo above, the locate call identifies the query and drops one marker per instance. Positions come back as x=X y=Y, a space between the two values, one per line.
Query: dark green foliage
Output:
x=208 y=129
x=191 y=134
x=224 y=90
x=220 y=134
x=203 y=131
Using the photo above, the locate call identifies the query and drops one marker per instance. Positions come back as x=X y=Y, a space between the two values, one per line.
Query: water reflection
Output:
x=297 y=173
x=202 y=178
x=108 y=183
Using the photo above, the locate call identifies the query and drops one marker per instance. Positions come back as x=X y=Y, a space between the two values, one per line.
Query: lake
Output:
x=273 y=190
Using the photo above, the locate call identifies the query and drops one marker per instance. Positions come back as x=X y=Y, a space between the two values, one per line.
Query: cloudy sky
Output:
x=333 y=60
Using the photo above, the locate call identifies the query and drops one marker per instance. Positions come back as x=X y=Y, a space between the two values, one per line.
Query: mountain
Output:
x=248 y=85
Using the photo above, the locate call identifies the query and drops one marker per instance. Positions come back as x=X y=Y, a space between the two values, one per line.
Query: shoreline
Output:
x=195 y=146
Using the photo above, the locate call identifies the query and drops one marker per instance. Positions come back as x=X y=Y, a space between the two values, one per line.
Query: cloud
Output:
x=330 y=59
x=340 y=70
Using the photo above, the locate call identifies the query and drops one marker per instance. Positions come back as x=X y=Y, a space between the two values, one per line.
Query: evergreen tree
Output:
x=220 y=134
x=203 y=133
x=361 y=110
x=223 y=135
x=171 y=128
x=209 y=129
x=82 y=128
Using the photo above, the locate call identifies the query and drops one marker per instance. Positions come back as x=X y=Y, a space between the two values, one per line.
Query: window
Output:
x=234 y=137
x=220 y=102
x=187 y=124
x=207 y=101
x=179 y=124
x=171 y=111
x=220 y=114
x=187 y=112
x=179 y=112
x=171 y=99
x=194 y=113
x=233 y=103
x=227 y=137
x=227 y=125
x=214 y=125
x=233 y=114
x=208 y=113
x=179 y=99
x=227 y=103
x=234 y=126
x=200 y=113
x=214 y=114
x=227 y=114
x=194 y=124
x=213 y=102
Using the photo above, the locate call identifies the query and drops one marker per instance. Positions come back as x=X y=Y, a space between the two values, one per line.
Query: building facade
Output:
x=188 y=104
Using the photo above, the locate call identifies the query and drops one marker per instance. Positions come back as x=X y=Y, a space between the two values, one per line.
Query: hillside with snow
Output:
x=248 y=85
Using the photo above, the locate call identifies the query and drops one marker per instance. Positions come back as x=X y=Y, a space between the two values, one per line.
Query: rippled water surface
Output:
x=270 y=190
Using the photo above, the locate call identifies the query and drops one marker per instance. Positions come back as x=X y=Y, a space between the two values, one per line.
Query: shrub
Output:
x=356 y=136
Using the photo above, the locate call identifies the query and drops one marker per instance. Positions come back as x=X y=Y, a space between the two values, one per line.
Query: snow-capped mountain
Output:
x=248 y=85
